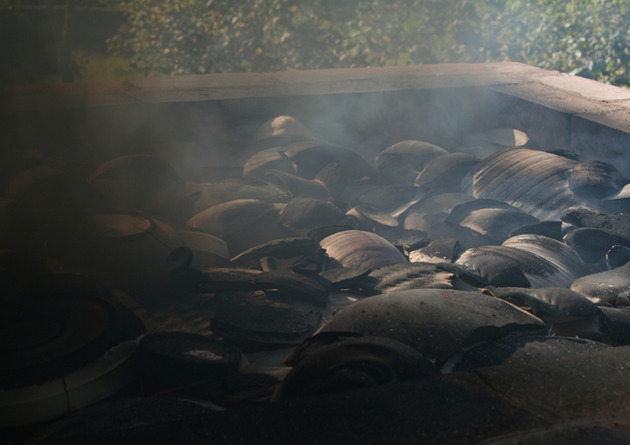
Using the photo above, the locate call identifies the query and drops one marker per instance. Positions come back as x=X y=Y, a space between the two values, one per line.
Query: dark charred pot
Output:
x=146 y=270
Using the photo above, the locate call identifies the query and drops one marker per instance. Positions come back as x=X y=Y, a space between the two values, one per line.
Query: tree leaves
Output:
x=589 y=38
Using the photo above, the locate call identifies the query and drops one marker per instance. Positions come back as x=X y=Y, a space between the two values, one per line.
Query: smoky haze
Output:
x=50 y=41
x=207 y=217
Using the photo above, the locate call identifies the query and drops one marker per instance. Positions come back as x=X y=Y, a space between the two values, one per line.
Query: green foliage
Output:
x=92 y=65
x=585 y=37
x=202 y=36
x=169 y=37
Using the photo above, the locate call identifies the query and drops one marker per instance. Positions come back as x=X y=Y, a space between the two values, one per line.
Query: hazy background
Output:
x=74 y=40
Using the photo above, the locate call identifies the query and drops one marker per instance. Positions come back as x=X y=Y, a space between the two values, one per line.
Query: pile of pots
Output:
x=316 y=270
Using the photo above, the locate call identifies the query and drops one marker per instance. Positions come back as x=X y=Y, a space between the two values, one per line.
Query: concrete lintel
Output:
x=191 y=88
x=587 y=88
x=573 y=96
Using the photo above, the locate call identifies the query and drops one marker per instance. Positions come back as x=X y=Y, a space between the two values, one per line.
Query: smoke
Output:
x=207 y=141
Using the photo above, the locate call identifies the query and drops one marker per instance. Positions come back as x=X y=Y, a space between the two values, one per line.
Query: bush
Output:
x=202 y=36
x=585 y=37
x=170 y=37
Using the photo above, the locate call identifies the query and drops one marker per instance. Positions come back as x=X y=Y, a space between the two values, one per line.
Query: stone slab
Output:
x=549 y=100
x=581 y=86
x=192 y=88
